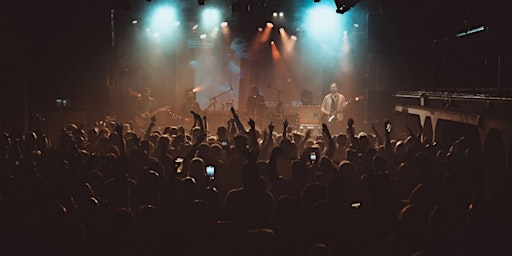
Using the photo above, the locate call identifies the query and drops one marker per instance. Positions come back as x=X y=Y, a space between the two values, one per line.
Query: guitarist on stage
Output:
x=144 y=106
x=332 y=109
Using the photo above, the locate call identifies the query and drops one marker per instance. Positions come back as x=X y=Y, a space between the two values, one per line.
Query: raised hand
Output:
x=387 y=127
x=196 y=115
x=118 y=128
x=271 y=127
x=325 y=130
x=285 y=125
x=251 y=123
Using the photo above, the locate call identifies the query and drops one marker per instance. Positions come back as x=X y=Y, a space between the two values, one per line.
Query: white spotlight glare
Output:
x=163 y=19
x=281 y=30
x=196 y=26
x=270 y=25
x=202 y=36
x=274 y=14
x=356 y=25
x=224 y=24
x=134 y=21
x=177 y=23
x=281 y=14
x=294 y=38
x=147 y=29
x=260 y=29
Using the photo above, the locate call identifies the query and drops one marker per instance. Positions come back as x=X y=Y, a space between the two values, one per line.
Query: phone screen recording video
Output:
x=210 y=172
x=312 y=156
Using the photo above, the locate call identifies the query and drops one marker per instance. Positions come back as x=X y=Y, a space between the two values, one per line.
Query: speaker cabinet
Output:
x=309 y=114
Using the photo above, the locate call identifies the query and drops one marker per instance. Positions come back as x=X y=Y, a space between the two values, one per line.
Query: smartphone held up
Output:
x=210 y=172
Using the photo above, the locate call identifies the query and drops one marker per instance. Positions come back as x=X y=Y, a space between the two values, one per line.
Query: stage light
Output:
x=209 y=18
x=202 y=36
x=260 y=29
x=270 y=25
x=224 y=24
x=134 y=21
x=274 y=14
x=342 y=6
x=281 y=14
x=163 y=19
x=294 y=38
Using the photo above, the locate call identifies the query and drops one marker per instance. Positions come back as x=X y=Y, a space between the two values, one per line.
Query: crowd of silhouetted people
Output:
x=103 y=189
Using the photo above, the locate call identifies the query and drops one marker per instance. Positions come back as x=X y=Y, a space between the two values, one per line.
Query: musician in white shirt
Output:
x=332 y=108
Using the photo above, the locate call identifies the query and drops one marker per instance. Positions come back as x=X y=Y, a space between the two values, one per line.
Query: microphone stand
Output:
x=279 y=103
x=213 y=100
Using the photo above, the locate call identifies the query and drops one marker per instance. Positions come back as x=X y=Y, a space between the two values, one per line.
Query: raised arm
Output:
x=253 y=140
x=150 y=127
x=300 y=144
x=387 y=135
x=377 y=134
x=285 y=127
x=238 y=123
x=331 y=147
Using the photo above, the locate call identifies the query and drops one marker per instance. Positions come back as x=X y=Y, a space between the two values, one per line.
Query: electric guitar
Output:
x=332 y=117
x=329 y=118
x=142 y=120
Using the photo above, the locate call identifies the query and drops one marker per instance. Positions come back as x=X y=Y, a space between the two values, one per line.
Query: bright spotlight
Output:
x=270 y=25
x=281 y=14
x=274 y=14
x=196 y=26
x=210 y=17
x=322 y=23
x=281 y=30
x=134 y=21
x=202 y=36
x=271 y=42
x=294 y=38
x=260 y=29
x=224 y=24
x=163 y=19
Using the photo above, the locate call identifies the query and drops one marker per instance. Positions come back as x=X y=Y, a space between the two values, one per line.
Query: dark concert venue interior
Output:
x=255 y=127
